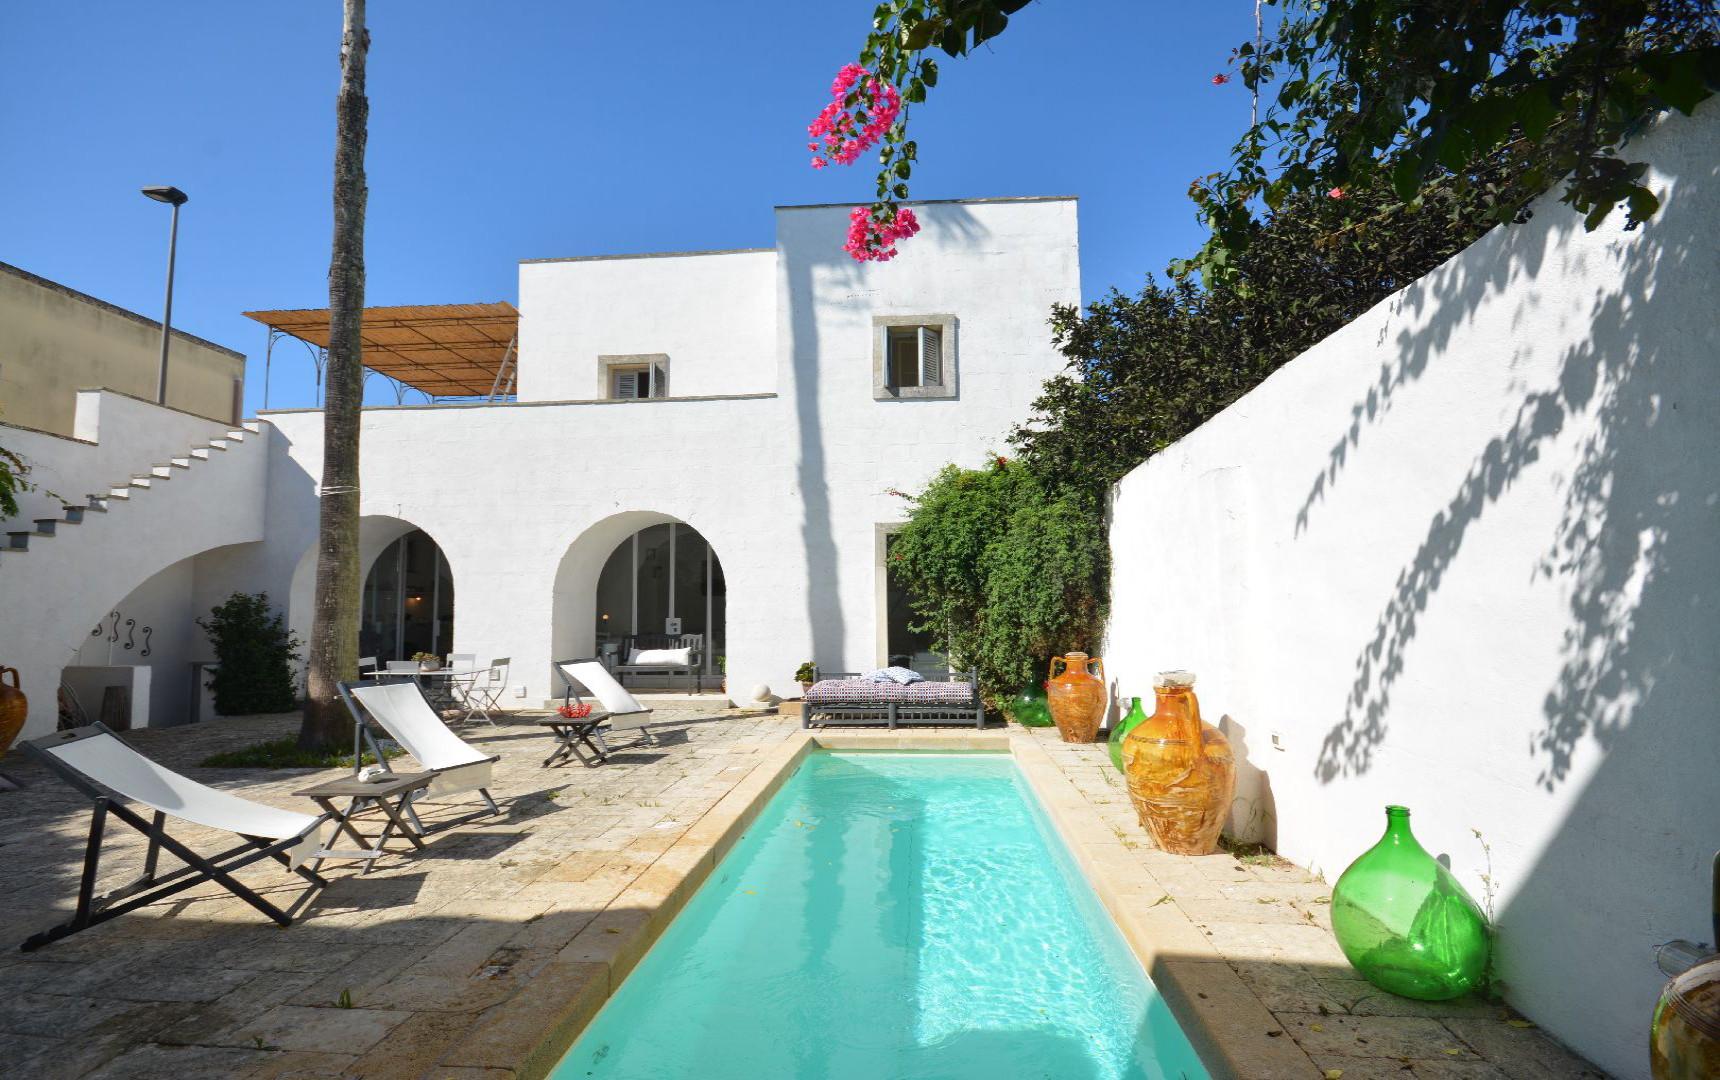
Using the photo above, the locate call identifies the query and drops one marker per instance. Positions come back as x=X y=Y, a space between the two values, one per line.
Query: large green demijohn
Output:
x=1404 y=921
x=1029 y=708
x=1121 y=731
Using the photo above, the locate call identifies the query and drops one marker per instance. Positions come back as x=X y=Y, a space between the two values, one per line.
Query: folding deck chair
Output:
x=403 y=712
x=100 y=764
x=622 y=712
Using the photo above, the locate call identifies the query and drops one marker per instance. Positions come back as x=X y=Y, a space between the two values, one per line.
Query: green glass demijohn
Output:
x=1121 y=731
x=1029 y=708
x=1405 y=923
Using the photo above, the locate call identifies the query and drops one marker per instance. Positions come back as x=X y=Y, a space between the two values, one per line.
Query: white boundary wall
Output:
x=1464 y=555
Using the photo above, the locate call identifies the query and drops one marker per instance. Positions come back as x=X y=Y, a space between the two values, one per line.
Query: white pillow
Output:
x=668 y=657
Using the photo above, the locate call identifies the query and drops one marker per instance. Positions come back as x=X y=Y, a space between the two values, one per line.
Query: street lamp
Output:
x=176 y=198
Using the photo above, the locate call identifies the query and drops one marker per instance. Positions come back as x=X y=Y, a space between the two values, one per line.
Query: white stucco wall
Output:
x=113 y=436
x=1462 y=556
x=711 y=314
x=527 y=500
x=52 y=594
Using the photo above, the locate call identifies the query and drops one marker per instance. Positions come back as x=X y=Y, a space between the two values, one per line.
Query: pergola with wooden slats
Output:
x=445 y=350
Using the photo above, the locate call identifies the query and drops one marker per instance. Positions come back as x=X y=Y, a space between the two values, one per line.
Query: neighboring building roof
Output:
x=442 y=349
x=127 y=313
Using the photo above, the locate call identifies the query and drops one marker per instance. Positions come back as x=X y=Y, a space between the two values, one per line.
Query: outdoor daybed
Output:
x=843 y=697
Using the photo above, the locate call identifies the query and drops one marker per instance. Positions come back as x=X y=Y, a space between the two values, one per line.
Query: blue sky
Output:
x=505 y=131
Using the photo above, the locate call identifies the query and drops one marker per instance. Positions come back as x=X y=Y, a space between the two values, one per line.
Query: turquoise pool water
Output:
x=890 y=917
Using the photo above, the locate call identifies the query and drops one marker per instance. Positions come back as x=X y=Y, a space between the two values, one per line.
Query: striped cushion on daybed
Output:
x=859 y=692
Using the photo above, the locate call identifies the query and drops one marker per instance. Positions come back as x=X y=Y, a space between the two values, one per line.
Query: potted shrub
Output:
x=806 y=674
x=723 y=667
x=427 y=661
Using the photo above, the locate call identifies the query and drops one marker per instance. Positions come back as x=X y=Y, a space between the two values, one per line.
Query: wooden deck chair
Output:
x=402 y=711
x=100 y=764
x=625 y=713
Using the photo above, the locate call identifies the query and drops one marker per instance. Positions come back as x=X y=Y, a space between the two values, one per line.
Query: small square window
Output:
x=630 y=378
x=913 y=357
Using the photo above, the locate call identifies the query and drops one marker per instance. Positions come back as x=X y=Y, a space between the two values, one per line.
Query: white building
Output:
x=730 y=423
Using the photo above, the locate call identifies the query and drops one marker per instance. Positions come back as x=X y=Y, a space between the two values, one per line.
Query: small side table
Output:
x=399 y=787
x=571 y=733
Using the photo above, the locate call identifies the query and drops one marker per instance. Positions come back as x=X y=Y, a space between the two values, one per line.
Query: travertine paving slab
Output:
x=465 y=960
x=1267 y=924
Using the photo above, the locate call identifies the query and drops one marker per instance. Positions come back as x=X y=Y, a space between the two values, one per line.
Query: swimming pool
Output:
x=890 y=915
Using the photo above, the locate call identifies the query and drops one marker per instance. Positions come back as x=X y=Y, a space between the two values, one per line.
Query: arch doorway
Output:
x=408 y=602
x=664 y=579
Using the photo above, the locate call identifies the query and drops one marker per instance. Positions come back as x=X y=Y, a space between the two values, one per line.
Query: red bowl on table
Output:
x=575 y=712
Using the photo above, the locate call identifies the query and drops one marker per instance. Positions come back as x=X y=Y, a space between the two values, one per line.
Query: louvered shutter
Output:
x=627 y=384
x=931 y=357
x=659 y=381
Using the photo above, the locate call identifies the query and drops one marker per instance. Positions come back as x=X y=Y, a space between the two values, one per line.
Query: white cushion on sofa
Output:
x=665 y=657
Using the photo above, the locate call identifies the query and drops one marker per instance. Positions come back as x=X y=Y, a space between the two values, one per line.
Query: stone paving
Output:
x=507 y=932
x=1269 y=921
x=432 y=953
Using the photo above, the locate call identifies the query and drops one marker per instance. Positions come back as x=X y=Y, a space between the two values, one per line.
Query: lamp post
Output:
x=175 y=198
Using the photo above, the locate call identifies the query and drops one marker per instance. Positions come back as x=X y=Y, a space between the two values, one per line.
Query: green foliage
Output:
x=1400 y=92
x=286 y=754
x=14 y=481
x=1146 y=370
x=1004 y=571
x=805 y=673
x=256 y=653
x=1357 y=91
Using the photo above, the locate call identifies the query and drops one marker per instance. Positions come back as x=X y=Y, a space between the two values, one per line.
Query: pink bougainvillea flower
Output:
x=1220 y=79
x=841 y=131
x=819 y=163
x=874 y=240
x=1336 y=193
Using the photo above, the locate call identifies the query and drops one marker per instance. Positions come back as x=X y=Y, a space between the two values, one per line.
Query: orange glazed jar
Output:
x=1181 y=773
x=1077 y=697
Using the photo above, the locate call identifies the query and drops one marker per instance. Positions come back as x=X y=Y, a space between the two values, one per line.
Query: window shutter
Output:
x=931 y=357
x=627 y=384
x=659 y=381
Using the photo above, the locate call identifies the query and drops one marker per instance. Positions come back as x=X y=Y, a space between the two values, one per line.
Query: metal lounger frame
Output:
x=151 y=886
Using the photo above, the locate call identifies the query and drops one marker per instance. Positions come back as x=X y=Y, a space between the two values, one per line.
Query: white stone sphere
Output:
x=761 y=692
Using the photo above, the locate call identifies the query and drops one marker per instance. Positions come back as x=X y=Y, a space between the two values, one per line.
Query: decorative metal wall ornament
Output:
x=132 y=629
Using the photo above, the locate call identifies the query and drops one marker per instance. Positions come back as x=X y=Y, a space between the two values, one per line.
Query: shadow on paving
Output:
x=433 y=953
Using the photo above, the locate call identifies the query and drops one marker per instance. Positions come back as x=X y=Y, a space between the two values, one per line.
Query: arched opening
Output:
x=634 y=580
x=408 y=601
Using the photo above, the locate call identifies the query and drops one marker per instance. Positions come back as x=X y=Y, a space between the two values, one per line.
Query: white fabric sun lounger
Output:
x=402 y=711
x=98 y=763
x=626 y=713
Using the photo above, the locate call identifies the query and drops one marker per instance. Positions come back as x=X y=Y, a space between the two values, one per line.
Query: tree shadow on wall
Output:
x=1636 y=538
x=819 y=276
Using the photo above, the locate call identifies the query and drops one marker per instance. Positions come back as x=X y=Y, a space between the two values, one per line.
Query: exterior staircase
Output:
x=121 y=494
x=57 y=578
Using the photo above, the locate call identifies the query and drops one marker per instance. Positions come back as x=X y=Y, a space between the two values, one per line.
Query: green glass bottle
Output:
x=1029 y=708
x=1405 y=923
x=1121 y=731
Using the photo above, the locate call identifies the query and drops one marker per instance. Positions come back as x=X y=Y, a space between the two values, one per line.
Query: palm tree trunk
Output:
x=334 y=629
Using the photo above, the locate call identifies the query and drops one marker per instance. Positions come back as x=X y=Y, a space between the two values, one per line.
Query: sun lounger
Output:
x=401 y=710
x=98 y=763
x=622 y=712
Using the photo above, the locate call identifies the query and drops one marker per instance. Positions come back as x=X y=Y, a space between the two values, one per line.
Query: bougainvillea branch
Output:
x=1404 y=89
x=870 y=99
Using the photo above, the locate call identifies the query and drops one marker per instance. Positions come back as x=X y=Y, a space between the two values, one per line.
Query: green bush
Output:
x=257 y=655
x=1003 y=571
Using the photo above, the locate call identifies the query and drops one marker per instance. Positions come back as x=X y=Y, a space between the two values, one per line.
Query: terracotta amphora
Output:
x=1077 y=697
x=1181 y=774
x=14 y=708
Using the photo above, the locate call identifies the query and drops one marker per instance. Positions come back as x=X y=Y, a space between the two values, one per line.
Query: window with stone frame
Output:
x=913 y=357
